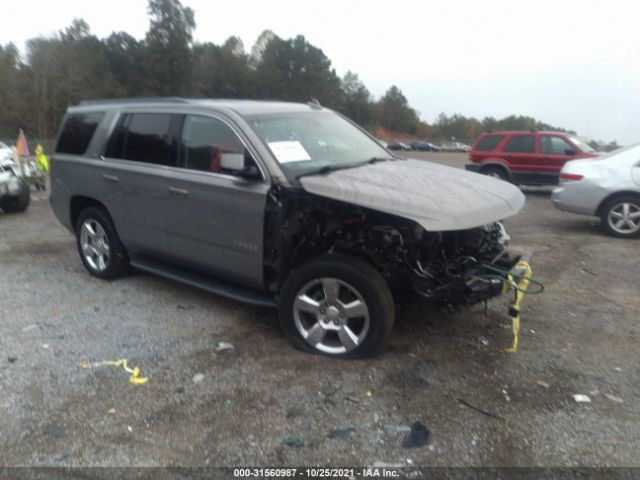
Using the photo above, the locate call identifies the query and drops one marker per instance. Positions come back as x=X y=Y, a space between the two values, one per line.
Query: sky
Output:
x=573 y=64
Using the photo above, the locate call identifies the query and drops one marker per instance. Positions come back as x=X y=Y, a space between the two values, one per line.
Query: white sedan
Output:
x=607 y=187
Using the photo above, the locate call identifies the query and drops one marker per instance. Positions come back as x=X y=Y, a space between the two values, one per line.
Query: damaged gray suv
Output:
x=277 y=204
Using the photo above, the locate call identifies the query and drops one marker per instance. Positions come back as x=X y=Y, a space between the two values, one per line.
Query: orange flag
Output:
x=21 y=144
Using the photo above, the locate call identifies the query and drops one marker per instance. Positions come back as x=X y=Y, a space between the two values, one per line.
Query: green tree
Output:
x=222 y=71
x=124 y=54
x=167 y=60
x=296 y=70
x=357 y=104
x=63 y=70
x=395 y=114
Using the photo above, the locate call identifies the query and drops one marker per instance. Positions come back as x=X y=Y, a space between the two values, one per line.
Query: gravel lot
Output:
x=580 y=337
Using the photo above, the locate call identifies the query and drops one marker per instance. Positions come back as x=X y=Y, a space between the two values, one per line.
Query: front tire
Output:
x=620 y=216
x=100 y=249
x=17 y=203
x=338 y=306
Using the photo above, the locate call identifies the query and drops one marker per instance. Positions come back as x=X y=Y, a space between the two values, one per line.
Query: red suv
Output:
x=526 y=157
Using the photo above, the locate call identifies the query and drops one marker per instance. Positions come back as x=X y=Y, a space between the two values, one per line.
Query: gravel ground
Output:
x=235 y=407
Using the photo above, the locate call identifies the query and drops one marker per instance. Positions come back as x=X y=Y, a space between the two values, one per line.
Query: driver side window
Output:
x=554 y=145
x=203 y=142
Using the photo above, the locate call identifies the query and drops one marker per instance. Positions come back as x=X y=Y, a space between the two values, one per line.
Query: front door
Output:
x=555 y=152
x=215 y=220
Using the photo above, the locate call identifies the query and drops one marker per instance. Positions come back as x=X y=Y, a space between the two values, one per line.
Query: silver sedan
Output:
x=607 y=187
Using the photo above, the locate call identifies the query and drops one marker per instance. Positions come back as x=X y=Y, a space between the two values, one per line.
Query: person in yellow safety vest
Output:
x=42 y=166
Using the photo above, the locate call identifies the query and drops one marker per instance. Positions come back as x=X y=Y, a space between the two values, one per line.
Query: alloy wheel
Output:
x=331 y=315
x=94 y=244
x=624 y=218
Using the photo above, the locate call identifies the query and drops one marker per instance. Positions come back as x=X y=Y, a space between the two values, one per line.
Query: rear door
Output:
x=140 y=155
x=555 y=151
x=215 y=220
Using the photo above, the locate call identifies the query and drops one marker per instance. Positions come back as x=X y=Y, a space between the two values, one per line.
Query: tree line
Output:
x=75 y=65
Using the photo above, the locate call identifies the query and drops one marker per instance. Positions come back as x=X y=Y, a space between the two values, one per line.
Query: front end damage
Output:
x=448 y=269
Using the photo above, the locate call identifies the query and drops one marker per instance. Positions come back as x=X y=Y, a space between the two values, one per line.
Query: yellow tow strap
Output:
x=520 y=288
x=135 y=377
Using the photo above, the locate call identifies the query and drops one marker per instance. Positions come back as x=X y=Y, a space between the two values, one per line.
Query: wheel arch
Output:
x=495 y=163
x=78 y=203
x=612 y=196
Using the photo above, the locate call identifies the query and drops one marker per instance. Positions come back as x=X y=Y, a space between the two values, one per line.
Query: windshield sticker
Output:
x=289 y=151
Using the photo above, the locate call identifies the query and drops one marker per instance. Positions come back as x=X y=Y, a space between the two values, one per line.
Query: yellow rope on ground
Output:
x=520 y=288
x=135 y=377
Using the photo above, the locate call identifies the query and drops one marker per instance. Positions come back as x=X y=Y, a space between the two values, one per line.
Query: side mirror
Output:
x=238 y=165
x=232 y=161
x=570 y=151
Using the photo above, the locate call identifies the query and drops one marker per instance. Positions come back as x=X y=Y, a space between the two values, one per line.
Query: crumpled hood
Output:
x=439 y=198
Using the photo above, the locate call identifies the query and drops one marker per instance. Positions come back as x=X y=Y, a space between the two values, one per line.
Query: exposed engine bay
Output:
x=445 y=268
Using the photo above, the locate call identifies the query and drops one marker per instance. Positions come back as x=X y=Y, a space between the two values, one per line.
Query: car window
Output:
x=554 y=145
x=204 y=140
x=489 y=142
x=520 y=143
x=77 y=132
x=144 y=137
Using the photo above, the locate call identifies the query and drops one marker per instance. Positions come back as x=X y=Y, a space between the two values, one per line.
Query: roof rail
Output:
x=314 y=103
x=98 y=101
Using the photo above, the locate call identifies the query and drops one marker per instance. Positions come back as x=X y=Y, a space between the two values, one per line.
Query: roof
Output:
x=525 y=132
x=242 y=107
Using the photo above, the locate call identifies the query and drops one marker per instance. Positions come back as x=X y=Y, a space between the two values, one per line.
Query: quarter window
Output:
x=77 y=132
x=204 y=140
x=489 y=142
x=520 y=144
x=554 y=145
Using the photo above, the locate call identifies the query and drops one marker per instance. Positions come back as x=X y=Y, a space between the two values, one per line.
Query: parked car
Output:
x=423 y=147
x=277 y=204
x=607 y=187
x=455 y=147
x=382 y=142
x=526 y=157
x=398 y=146
x=15 y=193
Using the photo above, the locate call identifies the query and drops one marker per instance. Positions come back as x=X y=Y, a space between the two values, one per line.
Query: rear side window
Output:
x=520 y=144
x=77 y=132
x=489 y=142
x=145 y=137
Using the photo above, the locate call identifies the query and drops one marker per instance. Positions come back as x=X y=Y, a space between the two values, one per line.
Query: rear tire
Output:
x=338 y=306
x=100 y=249
x=495 y=172
x=17 y=203
x=620 y=216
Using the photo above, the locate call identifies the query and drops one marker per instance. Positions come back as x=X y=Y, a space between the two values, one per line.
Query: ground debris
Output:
x=348 y=432
x=198 y=377
x=484 y=412
x=542 y=383
x=581 y=398
x=292 y=441
x=613 y=398
x=417 y=437
x=223 y=347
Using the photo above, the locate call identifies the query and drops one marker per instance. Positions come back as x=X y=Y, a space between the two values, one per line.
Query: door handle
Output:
x=179 y=192
x=110 y=178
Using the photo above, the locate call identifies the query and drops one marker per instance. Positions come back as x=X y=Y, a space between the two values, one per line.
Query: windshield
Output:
x=582 y=145
x=305 y=142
